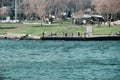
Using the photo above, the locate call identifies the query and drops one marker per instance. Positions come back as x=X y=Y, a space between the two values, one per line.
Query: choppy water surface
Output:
x=59 y=60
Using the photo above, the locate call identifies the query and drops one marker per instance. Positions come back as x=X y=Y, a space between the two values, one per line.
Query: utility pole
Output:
x=15 y=10
x=2 y=7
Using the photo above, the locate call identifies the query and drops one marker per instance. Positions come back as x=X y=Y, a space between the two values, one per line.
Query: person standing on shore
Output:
x=85 y=34
x=43 y=34
x=78 y=34
x=72 y=35
x=66 y=34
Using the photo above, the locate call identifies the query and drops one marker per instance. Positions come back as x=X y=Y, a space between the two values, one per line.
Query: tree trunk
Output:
x=109 y=23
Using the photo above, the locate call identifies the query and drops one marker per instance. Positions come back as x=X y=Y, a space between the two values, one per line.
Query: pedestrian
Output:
x=43 y=34
x=78 y=34
x=72 y=34
x=85 y=34
x=66 y=34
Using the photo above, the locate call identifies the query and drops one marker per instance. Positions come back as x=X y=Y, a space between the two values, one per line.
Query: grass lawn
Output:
x=58 y=28
x=106 y=29
x=9 y=28
x=37 y=29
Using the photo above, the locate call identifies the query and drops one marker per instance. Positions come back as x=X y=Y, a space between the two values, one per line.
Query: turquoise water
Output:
x=59 y=60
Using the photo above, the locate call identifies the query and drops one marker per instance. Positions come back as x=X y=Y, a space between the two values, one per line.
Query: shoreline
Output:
x=19 y=37
x=66 y=38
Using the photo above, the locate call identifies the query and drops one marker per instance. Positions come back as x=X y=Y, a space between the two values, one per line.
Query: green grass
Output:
x=106 y=29
x=58 y=28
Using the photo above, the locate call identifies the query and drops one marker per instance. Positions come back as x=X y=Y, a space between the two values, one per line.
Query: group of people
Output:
x=64 y=35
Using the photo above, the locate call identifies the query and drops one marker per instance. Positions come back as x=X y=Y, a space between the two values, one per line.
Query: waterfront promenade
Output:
x=88 y=35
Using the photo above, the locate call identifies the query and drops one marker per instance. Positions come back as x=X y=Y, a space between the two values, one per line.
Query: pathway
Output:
x=89 y=30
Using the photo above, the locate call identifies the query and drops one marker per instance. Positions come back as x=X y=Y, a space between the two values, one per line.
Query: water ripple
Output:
x=59 y=60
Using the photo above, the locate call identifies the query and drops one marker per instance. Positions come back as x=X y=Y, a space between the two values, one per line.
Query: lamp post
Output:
x=15 y=10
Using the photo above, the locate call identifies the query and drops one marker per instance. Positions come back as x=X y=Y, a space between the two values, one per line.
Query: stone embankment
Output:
x=19 y=37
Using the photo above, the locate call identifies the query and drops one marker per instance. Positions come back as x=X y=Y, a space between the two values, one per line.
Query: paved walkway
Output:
x=89 y=30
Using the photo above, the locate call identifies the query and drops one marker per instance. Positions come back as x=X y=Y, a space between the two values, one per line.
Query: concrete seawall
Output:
x=82 y=38
x=74 y=38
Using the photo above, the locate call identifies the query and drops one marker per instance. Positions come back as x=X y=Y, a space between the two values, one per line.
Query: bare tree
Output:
x=4 y=12
x=107 y=8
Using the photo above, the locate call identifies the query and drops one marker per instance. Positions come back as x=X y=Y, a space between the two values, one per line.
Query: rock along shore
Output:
x=20 y=37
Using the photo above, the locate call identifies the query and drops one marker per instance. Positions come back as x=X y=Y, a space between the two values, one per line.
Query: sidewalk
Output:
x=89 y=30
